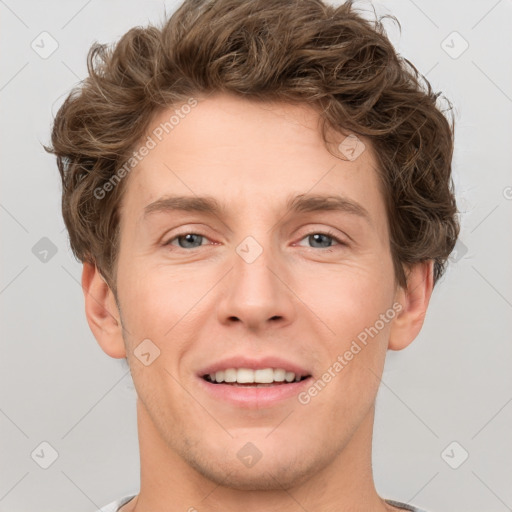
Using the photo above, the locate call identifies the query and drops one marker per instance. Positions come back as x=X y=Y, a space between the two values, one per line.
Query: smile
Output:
x=256 y=378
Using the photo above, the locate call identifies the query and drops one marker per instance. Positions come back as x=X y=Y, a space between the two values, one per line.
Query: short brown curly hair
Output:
x=330 y=57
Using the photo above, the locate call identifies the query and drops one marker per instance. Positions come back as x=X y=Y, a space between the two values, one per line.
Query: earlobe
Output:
x=102 y=312
x=414 y=300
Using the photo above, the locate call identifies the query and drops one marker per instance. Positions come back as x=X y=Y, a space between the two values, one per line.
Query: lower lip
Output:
x=254 y=397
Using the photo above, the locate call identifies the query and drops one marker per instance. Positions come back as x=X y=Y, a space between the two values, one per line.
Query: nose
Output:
x=257 y=293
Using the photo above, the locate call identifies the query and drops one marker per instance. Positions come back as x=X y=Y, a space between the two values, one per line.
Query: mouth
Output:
x=254 y=383
x=249 y=378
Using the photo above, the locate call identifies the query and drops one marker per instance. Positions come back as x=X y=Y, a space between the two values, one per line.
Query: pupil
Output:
x=326 y=239
x=323 y=240
x=188 y=239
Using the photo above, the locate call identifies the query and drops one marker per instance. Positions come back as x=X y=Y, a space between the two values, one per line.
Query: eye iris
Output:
x=189 y=237
x=327 y=239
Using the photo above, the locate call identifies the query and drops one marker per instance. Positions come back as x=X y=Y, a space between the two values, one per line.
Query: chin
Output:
x=274 y=469
x=257 y=478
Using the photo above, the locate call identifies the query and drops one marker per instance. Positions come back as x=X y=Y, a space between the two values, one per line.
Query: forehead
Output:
x=247 y=154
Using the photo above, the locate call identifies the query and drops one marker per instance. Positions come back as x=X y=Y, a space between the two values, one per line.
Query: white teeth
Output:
x=265 y=376
x=248 y=376
x=279 y=375
x=230 y=375
x=244 y=376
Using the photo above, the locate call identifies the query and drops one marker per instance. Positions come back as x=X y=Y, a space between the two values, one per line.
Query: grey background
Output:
x=453 y=383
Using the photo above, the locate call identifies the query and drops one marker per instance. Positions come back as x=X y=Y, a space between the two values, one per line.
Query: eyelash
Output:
x=327 y=233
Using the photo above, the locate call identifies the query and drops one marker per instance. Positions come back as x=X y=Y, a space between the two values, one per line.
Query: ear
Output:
x=414 y=299
x=102 y=312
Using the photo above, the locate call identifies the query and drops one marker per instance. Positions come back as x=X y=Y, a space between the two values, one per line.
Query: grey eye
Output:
x=188 y=240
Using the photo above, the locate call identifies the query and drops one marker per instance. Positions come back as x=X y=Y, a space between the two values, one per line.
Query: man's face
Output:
x=254 y=281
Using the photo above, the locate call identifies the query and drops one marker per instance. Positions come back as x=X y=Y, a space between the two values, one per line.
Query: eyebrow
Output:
x=301 y=203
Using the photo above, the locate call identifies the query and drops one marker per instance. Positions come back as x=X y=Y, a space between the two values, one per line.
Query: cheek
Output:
x=355 y=303
x=348 y=298
x=160 y=304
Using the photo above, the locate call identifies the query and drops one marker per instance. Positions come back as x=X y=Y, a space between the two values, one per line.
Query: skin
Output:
x=202 y=302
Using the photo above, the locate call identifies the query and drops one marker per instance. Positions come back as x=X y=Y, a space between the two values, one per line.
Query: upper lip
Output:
x=254 y=364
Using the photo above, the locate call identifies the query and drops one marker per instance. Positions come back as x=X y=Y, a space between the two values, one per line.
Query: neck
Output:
x=166 y=478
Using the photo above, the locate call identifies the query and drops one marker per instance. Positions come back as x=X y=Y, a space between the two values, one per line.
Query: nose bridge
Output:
x=256 y=293
x=252 y=264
